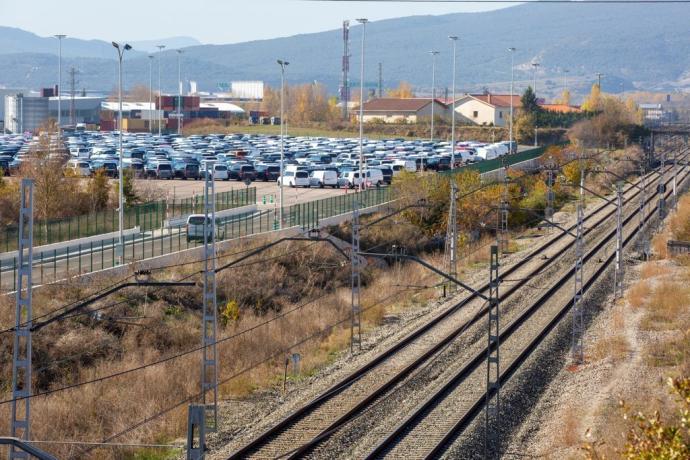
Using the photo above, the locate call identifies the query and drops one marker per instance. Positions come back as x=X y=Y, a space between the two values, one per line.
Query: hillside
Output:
x=636 y=46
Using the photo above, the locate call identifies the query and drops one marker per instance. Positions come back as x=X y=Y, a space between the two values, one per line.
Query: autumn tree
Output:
x=593 y=102
x=564 y=98
x=404 y=90
x=524 y=127
x=98 y=190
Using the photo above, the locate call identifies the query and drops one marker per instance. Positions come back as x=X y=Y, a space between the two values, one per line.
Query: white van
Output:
x=195 y=228
x=294 y=179
x=408 y=165
x=323 y=178
x=79 y=168
x=373 y=177
x=220 y=172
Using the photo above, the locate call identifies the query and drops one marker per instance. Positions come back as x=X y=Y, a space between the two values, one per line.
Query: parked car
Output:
x=322 y=178
x=159 y=170
x=242 y=171
x=195 y=228
x=109 y=166
x=387 y=172
x=186 y=170
x=78 y=168
x=220 y=172
x=267 y=172
x=295 y=179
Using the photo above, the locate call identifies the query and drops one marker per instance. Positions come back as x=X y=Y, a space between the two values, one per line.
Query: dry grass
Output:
x=570 y=434
x=637 y=294
x=653 y=270
x=667 y=305
x=296 y=301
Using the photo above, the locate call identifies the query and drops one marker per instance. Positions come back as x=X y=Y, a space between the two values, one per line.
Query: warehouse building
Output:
x=27 y=113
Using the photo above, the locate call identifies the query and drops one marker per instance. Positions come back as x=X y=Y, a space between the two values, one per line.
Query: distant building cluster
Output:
x=26 y=111
x=480 y=109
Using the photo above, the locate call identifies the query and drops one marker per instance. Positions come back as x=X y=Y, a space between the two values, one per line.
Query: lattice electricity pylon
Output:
x=451 y=252
x=578 y=308
x=355 y=322
x=209 y=326
x=619 y=267
x=674 y=203
x=493 y=374
x=21 y=355
x=550 y=196
x=661 y=192
x=643 y=241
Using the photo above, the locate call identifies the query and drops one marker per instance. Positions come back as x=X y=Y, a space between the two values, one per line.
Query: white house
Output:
x=405 y=110
x=486 y=109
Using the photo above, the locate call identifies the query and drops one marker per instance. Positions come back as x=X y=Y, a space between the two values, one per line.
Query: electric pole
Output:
x=21 y=354
x=618 y=272
x=452 y=236
x=493 y=375
x=355 y=324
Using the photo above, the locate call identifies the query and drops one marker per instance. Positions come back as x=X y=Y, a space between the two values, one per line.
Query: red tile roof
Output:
x=498 y=100
x=390 y=104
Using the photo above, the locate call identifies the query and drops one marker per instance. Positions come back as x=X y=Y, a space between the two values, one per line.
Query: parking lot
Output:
x=185 y=189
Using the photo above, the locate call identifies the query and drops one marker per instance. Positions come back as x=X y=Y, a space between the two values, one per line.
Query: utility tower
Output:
x=21 y=355
x=452 y=237
x=643 y=241
x=380 y=79
x=209 y=368
x=72 y=94
x=502 y=224
x=355 y=324
x=493 y=383
x=550 y=195
x=619 y=268
x=344 y=87
x=578 y=309
x=661 y=191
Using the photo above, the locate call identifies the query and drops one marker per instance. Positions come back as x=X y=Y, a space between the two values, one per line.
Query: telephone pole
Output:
x=380 y=79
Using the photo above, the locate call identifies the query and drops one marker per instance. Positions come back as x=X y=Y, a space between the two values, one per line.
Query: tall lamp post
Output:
x=565 y=80
x=362 y=21
x=454 y=40
x=179 y=92
x=512 y=74
x=535 y=66
x=282 y=64
x=59 y=118
x=433 y=89
x=151 y=93
x=160 y=92
x=121 y=240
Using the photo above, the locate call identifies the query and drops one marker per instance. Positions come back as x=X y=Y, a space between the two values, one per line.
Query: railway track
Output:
x=317 y=420
x=428 y=430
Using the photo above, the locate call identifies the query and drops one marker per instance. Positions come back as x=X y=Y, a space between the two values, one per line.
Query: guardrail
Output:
x=147 y=216
x=676 y=247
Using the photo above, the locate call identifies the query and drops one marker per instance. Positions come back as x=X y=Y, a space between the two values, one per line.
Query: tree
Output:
x=98 y=190
x=529 y=101
x=128 y=191
x=524 y=127
x=404 y=90
x=592 y=102
x=565 y=98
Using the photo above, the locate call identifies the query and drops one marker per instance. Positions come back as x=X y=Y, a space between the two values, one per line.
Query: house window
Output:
x=500 y=114
x=475 y=114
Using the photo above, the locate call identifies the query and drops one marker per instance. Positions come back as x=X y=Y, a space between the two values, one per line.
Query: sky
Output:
x=209 y=21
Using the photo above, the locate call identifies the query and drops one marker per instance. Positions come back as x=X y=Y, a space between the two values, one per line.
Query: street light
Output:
x=565 y=80
x=512 y=69
x=150 y=93
x=599 y=75
x=282 y=65
x=535 y=65
x=454 y=40
x=433 y=90
x=160 y=92
x=179 y=92
x=362 y=21
x=59 y=120
x=121 y=240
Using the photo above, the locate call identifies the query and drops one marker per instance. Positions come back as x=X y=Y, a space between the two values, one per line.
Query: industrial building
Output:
x=28 y=112
x=401 y=110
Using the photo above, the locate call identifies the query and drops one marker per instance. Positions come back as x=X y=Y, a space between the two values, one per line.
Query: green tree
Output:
x=529 y=101
x=98 y=190
x=128 y=190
